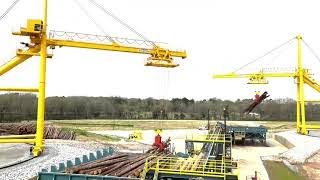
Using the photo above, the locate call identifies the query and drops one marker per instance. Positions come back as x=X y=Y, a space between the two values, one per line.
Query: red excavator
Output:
x=161 y=146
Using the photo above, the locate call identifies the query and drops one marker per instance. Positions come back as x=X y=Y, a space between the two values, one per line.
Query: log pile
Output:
x=50 y=132
x=120 y=165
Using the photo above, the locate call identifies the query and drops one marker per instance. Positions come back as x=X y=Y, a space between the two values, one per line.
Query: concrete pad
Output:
x=314 y=133
x=304 y=146
x=11 y=153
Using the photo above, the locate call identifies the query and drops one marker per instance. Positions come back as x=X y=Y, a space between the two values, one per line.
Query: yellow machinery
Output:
x=182 y=168
x=212 y=162
x=158 y=131
x=136 y=136
x=36 y=30
x=302 y=77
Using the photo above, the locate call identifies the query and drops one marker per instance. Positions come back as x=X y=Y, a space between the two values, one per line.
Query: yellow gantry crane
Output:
x=36 y=30
x=302 y=77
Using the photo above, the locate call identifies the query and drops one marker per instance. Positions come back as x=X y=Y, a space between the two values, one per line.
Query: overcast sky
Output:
x=219 y=37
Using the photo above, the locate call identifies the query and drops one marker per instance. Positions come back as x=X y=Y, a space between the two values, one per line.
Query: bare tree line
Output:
x=17 y=107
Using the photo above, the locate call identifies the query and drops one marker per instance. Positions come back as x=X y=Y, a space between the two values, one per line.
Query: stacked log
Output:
x=50 y=132
x=120 y=165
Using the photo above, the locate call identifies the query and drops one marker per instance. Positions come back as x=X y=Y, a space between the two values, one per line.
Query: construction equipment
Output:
x=36 y=30
x=136 y=136
x=300 y=74
x=160 y=145
x=213 y=161
x=243 y=133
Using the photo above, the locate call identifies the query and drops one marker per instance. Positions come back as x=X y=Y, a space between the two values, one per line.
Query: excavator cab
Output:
x=34 y=26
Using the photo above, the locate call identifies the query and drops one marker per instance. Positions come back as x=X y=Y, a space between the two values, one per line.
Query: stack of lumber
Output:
x=50 y=132
x=120 y=165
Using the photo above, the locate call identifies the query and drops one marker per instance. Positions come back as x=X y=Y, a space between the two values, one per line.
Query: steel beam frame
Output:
x=302 y=76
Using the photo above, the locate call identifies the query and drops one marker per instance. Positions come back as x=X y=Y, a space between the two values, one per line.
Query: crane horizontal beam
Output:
x=29 y=141
x=19 y=89
x=114 y=47
x=269 y=75
x=25 y=136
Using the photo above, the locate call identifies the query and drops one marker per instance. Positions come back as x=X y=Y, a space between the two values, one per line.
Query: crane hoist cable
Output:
x=4 y=15
x=9 y=9
x=283 y=50
x=166 y=85
x=164 y=100
x=311 y=50
x=93 y=20
x=120 y=21
x=264 y=55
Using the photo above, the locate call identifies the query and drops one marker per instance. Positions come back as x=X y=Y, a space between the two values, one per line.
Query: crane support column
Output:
x=300 y=87
x=298 y=107
x=42 y=87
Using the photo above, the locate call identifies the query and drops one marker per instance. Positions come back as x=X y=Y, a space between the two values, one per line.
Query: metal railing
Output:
x=182 y=166
x=209 y=138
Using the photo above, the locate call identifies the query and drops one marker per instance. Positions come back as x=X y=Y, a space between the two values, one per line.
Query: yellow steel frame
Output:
x=18 y=140
x=211 y=138
x=205 y=168
x=301 y=75
x=25 y=136
x=159 y=57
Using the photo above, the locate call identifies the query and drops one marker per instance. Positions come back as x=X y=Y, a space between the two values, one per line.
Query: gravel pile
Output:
x=305 y=147
x=56 y=151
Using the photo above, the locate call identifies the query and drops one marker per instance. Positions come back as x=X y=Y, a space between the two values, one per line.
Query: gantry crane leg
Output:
x=301 y=113
x=42 y=87
x=298 y=109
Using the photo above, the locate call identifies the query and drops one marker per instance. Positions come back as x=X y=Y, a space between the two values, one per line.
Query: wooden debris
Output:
x=50 y=132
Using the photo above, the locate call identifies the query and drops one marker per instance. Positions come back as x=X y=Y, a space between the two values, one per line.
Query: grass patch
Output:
x=278 y=170
x=88 y=136
x=116 y=124
x=93 y=124
x=96 y=125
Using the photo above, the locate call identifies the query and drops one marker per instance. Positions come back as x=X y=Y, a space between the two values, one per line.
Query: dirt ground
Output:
x=249 y=157
x=311 y=168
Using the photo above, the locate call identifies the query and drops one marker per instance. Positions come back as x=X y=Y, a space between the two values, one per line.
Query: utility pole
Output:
x=225 y=116
x=208 y=125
